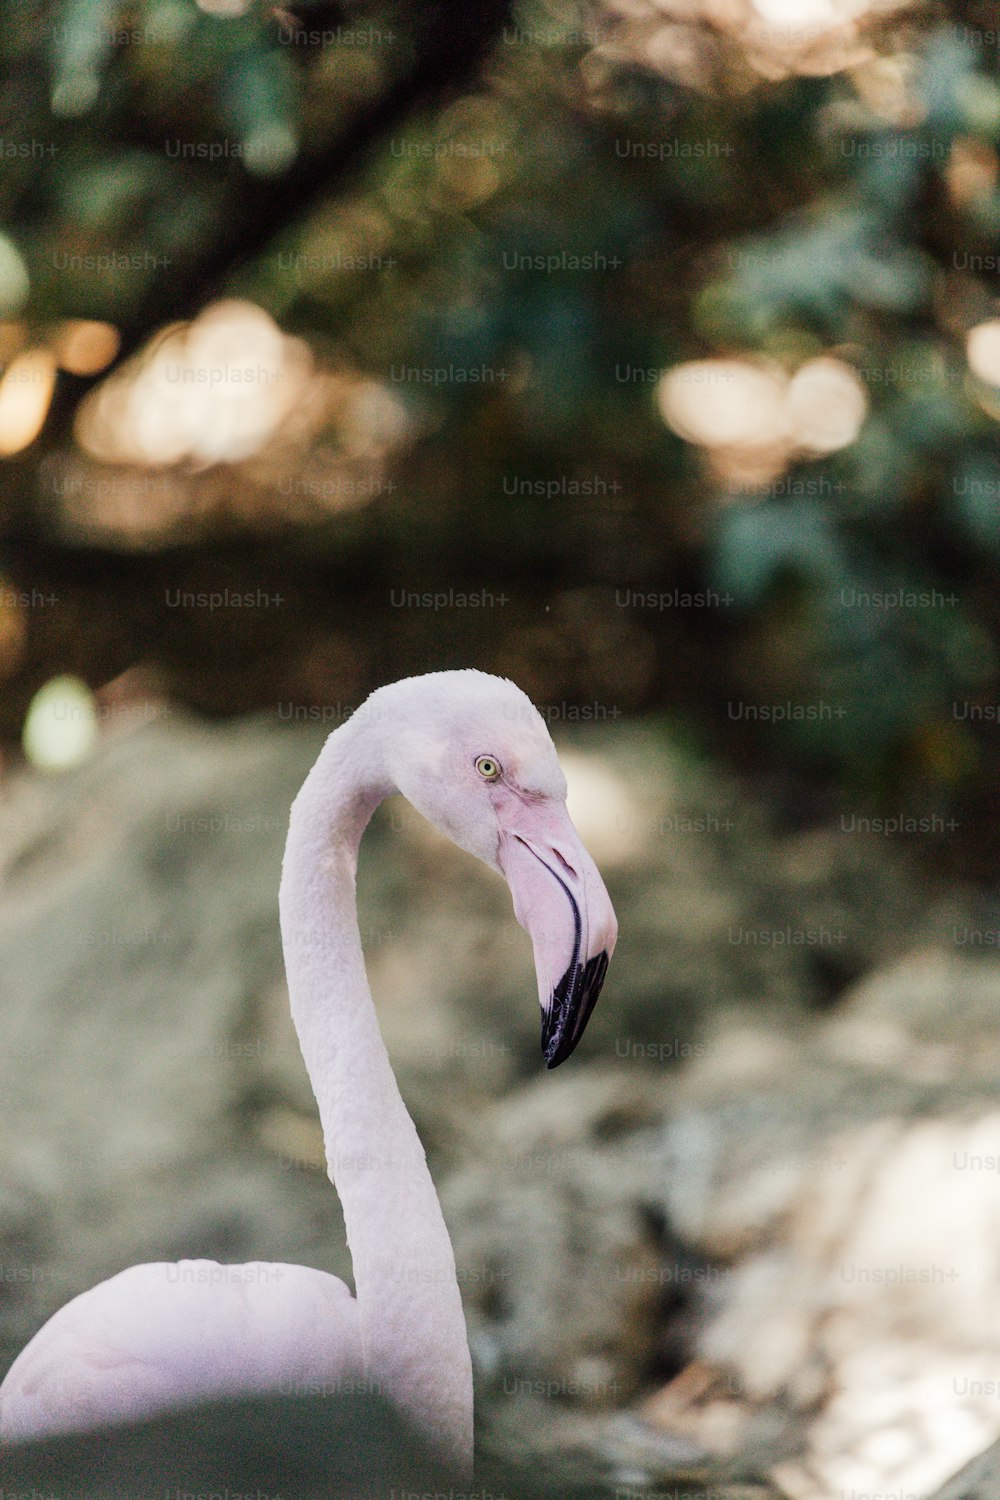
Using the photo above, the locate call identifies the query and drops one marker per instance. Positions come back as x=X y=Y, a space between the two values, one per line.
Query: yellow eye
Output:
x=488 y=768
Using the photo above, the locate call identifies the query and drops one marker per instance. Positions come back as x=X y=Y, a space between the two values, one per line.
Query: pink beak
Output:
x=561 y=902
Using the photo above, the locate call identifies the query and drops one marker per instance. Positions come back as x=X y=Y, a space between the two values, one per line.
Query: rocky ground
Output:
x=746 y=1238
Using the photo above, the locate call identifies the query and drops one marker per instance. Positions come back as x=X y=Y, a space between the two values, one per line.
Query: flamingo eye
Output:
x=488 y=768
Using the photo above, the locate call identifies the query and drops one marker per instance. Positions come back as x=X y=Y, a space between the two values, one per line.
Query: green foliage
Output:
x=575 y=222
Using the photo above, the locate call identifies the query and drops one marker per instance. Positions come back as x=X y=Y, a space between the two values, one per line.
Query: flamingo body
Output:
x=165 y=1335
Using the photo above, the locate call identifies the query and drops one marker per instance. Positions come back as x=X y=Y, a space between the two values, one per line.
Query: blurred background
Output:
x=646 y=352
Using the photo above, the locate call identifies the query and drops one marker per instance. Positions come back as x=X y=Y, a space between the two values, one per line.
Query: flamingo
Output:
x=472 y=754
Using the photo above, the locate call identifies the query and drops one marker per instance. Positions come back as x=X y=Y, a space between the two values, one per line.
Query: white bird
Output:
x=473 y=755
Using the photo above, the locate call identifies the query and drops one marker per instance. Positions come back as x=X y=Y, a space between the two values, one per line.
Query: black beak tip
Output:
x=573 y=1000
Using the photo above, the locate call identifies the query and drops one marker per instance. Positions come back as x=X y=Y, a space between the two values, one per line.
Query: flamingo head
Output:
x=474 y=756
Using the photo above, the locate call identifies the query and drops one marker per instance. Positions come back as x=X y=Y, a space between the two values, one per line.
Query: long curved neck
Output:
x=412 y=1325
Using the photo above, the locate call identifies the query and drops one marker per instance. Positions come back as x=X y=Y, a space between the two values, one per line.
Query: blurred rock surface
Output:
x=676 y=1254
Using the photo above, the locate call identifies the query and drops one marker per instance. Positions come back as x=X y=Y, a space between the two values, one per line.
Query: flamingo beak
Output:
x=561 y=902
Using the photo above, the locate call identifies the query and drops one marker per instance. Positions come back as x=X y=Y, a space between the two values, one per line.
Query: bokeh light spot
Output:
x=827 y=404
x=25 y=393
x=83 y=347
x=60 y=729
x=982 y=348
x=719 y=402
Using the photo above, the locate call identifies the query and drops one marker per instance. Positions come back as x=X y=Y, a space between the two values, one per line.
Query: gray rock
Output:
x=979 y=1480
